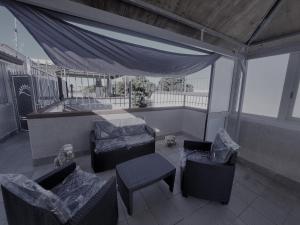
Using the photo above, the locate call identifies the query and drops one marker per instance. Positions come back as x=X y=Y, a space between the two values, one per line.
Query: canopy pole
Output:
x=210 y=90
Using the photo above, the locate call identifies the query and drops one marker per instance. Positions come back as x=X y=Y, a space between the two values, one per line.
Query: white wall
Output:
x=8 y=122
x=47 y=135
x=272 y=145
x=193 y=123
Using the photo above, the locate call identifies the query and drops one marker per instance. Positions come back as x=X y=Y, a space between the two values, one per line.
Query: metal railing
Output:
x=132 y=92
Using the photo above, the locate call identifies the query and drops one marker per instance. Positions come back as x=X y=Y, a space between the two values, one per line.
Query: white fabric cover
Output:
x=223 y=141
x=138 y=139
x=105 y=129
x=72 y=47
x=111 y=144
x=35 y=195
x=120 y=133
x=223 y=147
x=192 y=155
x=77 y=189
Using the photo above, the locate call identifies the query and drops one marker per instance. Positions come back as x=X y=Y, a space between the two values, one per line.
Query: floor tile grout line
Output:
x=250 y=205
x=149 y=209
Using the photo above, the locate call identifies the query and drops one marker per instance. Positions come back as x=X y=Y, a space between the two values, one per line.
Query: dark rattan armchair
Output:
x=101 y=209
x=201 y=177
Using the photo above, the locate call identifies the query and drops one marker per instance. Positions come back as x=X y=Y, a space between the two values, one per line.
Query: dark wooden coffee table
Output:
x=140 y=172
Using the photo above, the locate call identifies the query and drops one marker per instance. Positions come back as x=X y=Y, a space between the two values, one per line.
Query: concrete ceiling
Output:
x=286 y=21
x=239 y=20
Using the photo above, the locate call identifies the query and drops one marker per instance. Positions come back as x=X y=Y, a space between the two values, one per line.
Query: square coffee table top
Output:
x=145 y=170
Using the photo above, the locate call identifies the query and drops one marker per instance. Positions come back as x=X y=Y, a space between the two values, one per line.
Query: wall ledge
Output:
x=106 y=112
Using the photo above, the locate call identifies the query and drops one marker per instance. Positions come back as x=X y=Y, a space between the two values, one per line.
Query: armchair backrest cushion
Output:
x=107 y=129
x=223 y=147
x=35 y=195
x=133 y=126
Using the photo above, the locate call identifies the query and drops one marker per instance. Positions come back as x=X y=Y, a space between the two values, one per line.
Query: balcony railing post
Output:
x=184 y=92
x=130 y=94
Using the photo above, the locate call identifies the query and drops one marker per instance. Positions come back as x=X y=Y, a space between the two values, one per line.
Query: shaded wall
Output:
x=272 y=145
x=193 y=122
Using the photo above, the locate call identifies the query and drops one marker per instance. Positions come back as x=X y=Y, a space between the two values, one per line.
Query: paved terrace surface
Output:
x=256 y=200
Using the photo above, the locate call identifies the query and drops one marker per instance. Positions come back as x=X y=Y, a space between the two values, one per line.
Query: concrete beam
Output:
x=266 y=20
x=114 y=21
x=287 y=44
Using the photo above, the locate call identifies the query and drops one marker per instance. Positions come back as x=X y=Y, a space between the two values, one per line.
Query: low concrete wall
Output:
x=272 y=145
x=193 y=122
x=47 y=135
x=7 y=120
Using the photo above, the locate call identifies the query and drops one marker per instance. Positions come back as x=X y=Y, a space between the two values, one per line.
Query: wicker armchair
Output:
x=203 y=178
x=102 y=207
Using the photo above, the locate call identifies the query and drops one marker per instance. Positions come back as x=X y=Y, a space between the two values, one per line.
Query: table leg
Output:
x=126 y=195
x=170 y=180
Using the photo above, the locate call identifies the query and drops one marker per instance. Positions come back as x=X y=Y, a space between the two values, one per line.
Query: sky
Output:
x=27 y=45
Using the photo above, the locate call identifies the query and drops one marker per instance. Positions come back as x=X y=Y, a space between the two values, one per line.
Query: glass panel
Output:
x=222 y=85
x=220 y=97
x=264 y=85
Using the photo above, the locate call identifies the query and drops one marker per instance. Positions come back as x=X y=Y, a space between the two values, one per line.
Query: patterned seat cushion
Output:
x=35 y=195
x=192 y=155
x=107 y=129
x=106 y=145
x=139 y=139
x=77 y=189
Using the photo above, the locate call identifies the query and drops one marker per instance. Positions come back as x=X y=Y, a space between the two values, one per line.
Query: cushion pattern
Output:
x=192 y=155
x=222 y=156
x=77 y=189
x=133 y=129
x=139 y=139
x=223 y=147
x=35 y=195
x=110 y=144
x=105 y=130
x=223 y=141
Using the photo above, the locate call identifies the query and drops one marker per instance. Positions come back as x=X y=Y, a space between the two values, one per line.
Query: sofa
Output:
x=118 y=140
x=65 y=196
x=207 y=169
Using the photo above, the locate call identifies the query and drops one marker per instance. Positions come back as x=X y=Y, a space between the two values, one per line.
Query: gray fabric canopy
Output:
x=75 y=48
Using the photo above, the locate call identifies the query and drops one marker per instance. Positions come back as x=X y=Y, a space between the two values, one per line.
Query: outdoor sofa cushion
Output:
x=223 y=147
x=111 y=144
x=77 y=189
x=127 y=142
x=120 y=133
x=105 y=129
x=139 y=139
